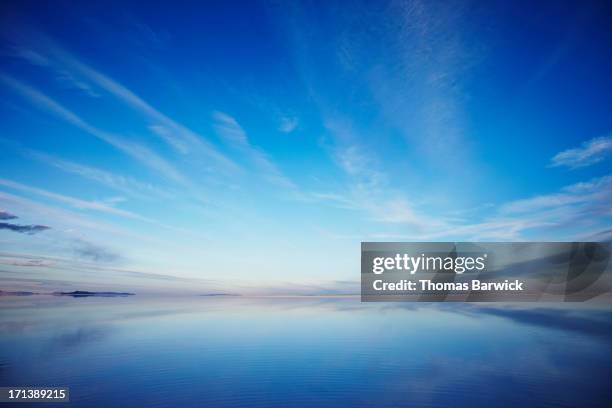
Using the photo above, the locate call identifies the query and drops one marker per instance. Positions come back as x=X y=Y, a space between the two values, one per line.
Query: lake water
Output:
x=293 y=352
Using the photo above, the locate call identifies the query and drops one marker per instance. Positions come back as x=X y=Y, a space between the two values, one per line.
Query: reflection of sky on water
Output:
x=300 y=352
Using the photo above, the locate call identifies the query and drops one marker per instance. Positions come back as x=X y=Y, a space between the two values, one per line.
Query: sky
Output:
x=249 y=147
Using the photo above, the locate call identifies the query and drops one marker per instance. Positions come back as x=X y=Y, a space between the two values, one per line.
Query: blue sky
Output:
x=250 y=147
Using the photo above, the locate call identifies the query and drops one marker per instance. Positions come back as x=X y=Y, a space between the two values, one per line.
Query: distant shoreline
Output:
x=75 y=293
x=83 y=293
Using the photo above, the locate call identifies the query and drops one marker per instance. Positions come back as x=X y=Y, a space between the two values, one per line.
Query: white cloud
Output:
x=234 y=135
x=65 y=77
x=137 y=151
x=60 y=218
x=74 y=202
x=47 y=53
x=288 y=124
x=353 y=158
x=399 y=211
x=99 y=206
x=32 y=57
x=71 y=224
x=176 y=135
x=595 y=190
x=495 y=228
x=62 y=75
x=575 y=209
x=579 y=211
x=228 y=128
x=589 y=153
x=117 y=182
x=367 y=188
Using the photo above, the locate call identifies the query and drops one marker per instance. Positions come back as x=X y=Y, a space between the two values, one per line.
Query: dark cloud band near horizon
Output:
x=4 y=215
x=23 y=229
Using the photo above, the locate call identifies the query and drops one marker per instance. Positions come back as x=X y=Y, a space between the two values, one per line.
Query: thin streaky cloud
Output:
x=87 y=205
x=67 y=78
x=288 y=124
x=73 y=202
x=31 y=263
x=589 y=153
x=357 y=162
x=66 y=218
x=69 y=221
x=84 y=264
x=572 y=208
x=31 y=56
x=598 y=189
x=117 y=182
x=367 y=187
x=64 y=77
x=137 y=151
x=234 y=135
x=175 y=134
x=504 y=229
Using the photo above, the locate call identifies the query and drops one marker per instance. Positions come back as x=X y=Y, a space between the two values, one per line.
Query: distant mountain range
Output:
x=84 y=293
x=16 y=293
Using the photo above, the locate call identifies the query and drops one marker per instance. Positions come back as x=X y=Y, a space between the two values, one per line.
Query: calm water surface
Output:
x=140 y=351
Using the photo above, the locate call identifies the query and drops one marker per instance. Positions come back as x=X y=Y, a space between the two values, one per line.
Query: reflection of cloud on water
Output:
x=594 y=321
x=576 y=318
x=72 y=339
x=3 y=370
x=590 y=322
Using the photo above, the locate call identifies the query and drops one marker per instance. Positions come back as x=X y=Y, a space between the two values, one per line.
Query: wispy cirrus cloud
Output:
x=74 y=202
x=426 y=63
x=571 y=211
x=135 y=150
x=589 y=153
x=124 y=184
x=105 y=207
x=81 y=266
x=31 y=56
x=403 y=77
x=175 y=134
x=597 y=190
x=66 y=218
x=27 y=262
x=288 y=124
x=368 y=187
x=64 y=77
x=352 y=157
x=235 y=136
x=71 y=223
x=178 y=136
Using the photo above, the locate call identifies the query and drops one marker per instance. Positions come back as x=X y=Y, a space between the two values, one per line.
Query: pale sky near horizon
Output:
x=250 y=147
